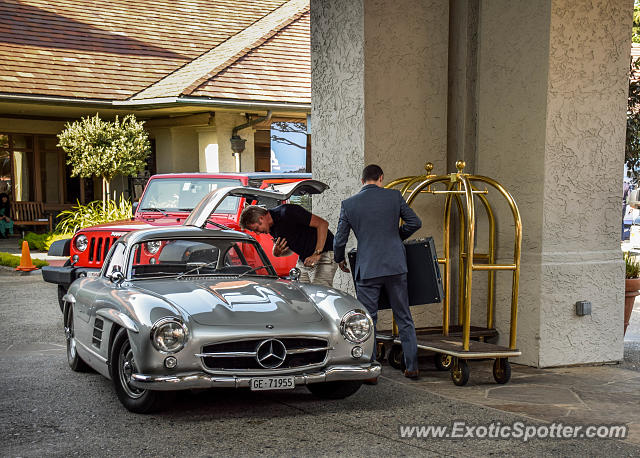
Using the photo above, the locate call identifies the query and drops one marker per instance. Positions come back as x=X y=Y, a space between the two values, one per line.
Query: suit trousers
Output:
x=368 y=292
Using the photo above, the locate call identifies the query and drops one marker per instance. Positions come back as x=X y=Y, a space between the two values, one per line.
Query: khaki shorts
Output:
x=320 y=274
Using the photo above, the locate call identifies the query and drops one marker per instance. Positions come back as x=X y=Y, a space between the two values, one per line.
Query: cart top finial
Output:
x=460 y=165
x=428 y=167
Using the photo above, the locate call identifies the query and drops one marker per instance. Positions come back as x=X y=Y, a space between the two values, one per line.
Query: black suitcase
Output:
x=423 y=276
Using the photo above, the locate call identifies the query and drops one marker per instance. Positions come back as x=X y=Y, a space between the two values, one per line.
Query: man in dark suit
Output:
x=374 y=216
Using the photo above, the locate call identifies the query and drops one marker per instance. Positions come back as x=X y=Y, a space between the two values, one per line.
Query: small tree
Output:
x=104 y=149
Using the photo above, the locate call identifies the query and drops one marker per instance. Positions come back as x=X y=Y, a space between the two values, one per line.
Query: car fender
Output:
x=118 y=318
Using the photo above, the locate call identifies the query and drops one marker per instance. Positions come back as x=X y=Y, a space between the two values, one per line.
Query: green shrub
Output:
x=10 y=260
x=632 y=266
x=42 y=242
x=91 y=214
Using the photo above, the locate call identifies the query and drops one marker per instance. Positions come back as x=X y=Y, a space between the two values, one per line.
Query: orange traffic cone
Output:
x=26 y=265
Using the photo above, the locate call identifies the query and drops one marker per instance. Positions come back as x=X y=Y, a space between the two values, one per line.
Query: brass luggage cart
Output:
x=453 y=345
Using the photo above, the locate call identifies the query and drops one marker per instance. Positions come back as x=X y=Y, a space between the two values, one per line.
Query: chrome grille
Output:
x=241 y=354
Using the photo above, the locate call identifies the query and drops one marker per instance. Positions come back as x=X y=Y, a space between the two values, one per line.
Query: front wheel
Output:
x=460 y=372
x=442 y=361
x=501 y=370
x=123 y=366
x=334 y=390
x=75 y=362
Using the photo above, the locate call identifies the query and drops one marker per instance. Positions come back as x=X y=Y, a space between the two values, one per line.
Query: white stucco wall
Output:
x=551 y=111
x=337 y=101
x=550 y=100
x=373 y=101
x=585 y=126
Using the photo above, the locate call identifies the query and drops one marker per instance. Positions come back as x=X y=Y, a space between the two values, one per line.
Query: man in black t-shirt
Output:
x=296 y=230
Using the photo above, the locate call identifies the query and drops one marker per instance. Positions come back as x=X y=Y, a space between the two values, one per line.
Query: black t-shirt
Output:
x=291 y=222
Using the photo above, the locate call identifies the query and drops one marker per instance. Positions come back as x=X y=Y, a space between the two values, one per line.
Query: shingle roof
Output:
x=280 y=69
x=124 y=49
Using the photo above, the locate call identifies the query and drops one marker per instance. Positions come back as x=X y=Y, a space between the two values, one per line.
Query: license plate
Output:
x=272 y=383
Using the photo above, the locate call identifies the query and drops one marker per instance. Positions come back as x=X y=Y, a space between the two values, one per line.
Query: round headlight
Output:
x=169 y=335
x=153 y=247
x=356 y=326
x=81 y=242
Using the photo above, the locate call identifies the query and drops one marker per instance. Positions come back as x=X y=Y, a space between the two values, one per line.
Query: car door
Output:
x=202 y=212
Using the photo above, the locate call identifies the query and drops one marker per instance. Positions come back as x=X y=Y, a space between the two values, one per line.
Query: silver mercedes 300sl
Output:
x=187 y=307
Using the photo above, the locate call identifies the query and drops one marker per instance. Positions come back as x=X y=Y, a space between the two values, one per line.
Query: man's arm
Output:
x=322 y=228
x=340 y=239
x=411 y=221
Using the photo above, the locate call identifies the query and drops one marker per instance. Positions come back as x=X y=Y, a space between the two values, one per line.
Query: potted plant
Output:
x=631 y=286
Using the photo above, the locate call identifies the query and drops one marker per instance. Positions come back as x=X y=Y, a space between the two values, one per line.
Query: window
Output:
x=198 y=256
x=115 y=260
x=33 y=168
x=184 y=194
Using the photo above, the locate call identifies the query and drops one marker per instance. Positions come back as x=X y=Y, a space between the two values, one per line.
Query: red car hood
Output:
x=128 y=225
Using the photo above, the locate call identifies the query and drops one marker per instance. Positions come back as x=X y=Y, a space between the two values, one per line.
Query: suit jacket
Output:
x=374 y=215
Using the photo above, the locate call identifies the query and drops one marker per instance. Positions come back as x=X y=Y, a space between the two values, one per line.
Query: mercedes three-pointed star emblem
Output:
x=271 y=353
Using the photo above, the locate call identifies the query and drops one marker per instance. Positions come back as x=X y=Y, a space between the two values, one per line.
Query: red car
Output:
x=167 y=200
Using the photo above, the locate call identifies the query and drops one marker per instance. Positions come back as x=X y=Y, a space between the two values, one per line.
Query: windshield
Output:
x=182 y=194
x=202 y=256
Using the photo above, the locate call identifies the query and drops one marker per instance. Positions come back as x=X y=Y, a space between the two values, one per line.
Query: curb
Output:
x=18 y=272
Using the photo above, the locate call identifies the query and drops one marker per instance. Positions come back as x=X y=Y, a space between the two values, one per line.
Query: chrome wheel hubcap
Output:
x=71 y=340
x=127 y=369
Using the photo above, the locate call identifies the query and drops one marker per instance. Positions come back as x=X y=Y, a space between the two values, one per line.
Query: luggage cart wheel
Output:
x=380 y=352
x=460 y=372
x=501 y=370
x=396 y=358
x=442 y=361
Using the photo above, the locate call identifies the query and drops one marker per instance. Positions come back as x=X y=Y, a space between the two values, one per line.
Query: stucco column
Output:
x=537 y=92
x=176 y=149
x=379 y=91
x=551 y=127
x=208 y=150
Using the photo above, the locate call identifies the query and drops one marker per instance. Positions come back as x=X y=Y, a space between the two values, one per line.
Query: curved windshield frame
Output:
x=197 y=256
x=182 y=194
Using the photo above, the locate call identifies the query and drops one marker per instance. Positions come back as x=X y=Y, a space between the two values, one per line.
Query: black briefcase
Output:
x=423 y=273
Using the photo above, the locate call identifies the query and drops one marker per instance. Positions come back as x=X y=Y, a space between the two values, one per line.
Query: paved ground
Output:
x=46 y=409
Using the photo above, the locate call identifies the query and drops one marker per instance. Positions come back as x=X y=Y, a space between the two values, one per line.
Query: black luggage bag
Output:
x=423 y=277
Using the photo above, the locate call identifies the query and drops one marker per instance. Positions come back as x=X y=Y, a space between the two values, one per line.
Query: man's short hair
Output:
x=250 y=216
x=372 y=172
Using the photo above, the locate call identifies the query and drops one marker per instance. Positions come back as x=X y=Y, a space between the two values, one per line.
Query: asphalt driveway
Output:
x=49 y=410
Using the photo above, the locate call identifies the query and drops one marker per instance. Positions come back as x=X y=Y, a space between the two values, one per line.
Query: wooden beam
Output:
x=200 y=119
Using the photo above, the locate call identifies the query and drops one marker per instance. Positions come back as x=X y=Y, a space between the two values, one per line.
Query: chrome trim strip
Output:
x=249 y=354
x=201 y=380
x=93 y=353
x=227 y=354
x=308 y=350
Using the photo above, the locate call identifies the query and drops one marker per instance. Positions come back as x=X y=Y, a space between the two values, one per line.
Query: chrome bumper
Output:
x=202 y=380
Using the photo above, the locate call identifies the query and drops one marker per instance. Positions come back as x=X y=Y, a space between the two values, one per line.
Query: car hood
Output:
x=241 y=302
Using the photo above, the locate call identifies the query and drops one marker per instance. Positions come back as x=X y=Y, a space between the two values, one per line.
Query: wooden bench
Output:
x=30 y=214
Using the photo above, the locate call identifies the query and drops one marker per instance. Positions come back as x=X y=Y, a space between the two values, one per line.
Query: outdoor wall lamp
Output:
x=237 y=143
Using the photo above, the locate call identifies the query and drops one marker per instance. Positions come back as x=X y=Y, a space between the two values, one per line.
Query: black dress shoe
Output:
x=413 y=375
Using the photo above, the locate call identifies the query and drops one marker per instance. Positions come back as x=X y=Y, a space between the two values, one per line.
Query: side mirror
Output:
x=116 y=277
x=294 y=274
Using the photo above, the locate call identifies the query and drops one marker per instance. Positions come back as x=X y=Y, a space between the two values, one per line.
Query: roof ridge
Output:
x=189 y=77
